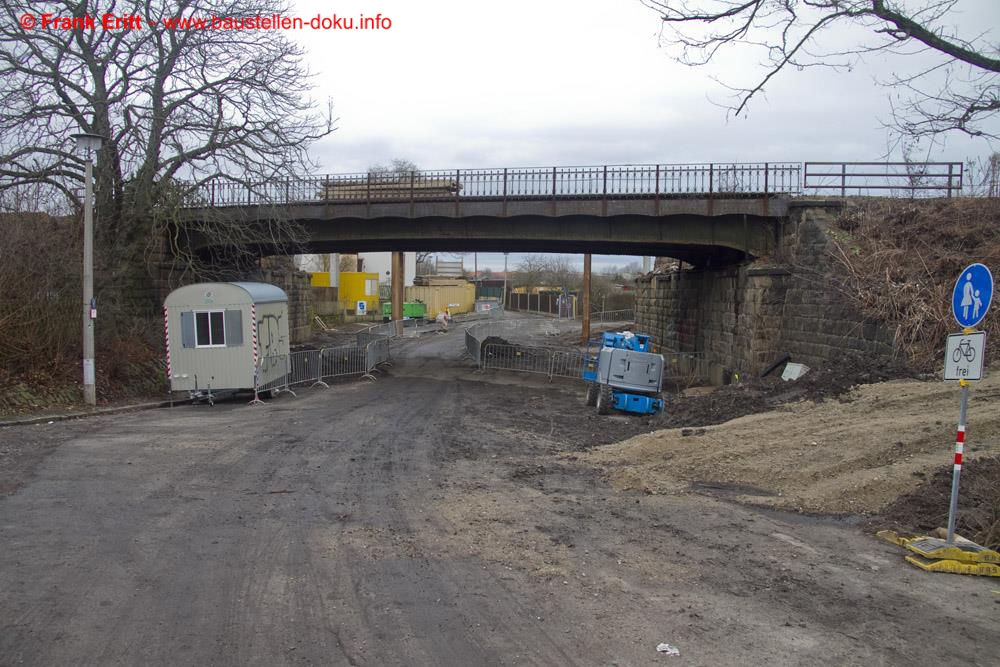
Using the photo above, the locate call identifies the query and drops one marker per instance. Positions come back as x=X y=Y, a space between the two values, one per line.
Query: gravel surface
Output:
x=436 y=516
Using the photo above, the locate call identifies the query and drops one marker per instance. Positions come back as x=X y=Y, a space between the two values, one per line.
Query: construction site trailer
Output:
x=358 y=286
x=456 y=295
x=217 y=333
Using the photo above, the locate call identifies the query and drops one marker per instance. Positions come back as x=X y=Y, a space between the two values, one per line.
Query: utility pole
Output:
x=89 y=144
x=586 y=300
x=397 y=290
x=504 y=297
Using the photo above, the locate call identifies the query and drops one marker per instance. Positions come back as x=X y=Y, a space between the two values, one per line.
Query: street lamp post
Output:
x=89 y=144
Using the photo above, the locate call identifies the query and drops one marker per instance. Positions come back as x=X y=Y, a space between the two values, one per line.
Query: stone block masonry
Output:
x=743 y=317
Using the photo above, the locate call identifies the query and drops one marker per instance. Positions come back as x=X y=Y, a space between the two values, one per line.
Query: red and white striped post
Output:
x=253 y=343
x=166 y=339
x=957 y=468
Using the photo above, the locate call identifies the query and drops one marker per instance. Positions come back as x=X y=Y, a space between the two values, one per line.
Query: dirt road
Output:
x=432 y=517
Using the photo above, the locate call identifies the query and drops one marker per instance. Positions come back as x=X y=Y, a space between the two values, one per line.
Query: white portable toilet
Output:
x=219 y=335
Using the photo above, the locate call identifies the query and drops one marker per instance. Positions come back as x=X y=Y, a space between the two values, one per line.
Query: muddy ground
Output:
x=437 y=516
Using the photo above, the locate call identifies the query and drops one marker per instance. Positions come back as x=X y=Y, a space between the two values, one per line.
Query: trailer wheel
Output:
x=592 y=391
x=604 y=400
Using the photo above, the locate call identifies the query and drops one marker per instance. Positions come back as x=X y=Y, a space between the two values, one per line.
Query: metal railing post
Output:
x=604 y=200
x=413 y=176
x=765 y=178
x=950 y=165
x=505 y=191
x=657 y=196
x=843 y=179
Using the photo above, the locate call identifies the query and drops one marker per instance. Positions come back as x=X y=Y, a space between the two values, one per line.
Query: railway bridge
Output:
x=713 y=216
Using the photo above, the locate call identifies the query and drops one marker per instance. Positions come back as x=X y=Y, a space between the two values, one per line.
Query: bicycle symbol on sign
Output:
x=964 y=349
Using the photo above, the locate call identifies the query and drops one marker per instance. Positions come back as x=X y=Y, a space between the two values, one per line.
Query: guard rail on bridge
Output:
x=608 y=182
x=906 y=179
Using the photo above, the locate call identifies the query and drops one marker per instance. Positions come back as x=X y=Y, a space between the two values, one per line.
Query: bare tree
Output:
x=424 y=263
x=178 y=107
x=546 y=271
x=955 y=90
x=398 y=166
x=531 y=272
x=560 y=272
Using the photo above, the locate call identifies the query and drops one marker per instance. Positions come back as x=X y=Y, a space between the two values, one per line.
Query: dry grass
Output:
x=901 y=259
x=40 y=321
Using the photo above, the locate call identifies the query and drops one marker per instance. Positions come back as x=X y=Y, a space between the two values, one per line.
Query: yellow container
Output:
x=320 y=279
x=454 y=298
x=359 y=286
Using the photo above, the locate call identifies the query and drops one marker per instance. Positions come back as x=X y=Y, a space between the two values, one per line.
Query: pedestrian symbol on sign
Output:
x=972 y=295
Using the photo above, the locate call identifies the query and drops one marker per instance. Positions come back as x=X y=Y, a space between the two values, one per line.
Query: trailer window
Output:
x=210 y=328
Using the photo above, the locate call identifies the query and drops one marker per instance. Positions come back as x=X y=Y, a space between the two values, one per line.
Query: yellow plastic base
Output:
x=954 y=566
x=964 y=551
x=935 y=555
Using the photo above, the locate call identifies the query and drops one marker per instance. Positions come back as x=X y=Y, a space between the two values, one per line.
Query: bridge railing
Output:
x=895 y=179
x=751 y=179
x=601 y=182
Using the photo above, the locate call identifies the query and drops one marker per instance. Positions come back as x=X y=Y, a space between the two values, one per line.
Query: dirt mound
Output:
x=926 y=507
x=495 y=340
x=761 y=394
x=855 y=455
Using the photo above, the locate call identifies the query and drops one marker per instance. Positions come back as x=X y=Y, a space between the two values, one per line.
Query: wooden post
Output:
x=397 y=290
x=585 y=335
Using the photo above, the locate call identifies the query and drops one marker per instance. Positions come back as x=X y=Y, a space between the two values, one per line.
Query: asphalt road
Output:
x=434 y=517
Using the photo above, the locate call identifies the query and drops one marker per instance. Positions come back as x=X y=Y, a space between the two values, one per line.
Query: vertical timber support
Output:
x=397 y=291
x=585 y=334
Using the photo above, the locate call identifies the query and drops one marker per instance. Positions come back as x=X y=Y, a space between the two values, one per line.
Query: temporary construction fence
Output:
x=477 y=333
x=546 y=361
x=679 y=367
x=316 y=366
x=627 y=315
x=549 y=303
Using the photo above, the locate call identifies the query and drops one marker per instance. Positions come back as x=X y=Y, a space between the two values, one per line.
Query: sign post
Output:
x=964 y=358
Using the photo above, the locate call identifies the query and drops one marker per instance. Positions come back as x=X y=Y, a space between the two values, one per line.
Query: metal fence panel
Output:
x=376 y=353
x=516 y=358
x=304 y=366
x=271 y=373
x=343 y=361
x=567 y=363
x=683 y=365
x=627 y=315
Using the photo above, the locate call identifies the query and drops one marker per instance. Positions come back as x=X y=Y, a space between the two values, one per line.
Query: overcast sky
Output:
x=464 y=84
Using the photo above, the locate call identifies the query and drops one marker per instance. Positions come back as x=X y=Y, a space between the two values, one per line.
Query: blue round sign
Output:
x=972 y=295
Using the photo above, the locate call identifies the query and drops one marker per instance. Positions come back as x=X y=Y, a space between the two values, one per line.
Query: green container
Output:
x=412 y=310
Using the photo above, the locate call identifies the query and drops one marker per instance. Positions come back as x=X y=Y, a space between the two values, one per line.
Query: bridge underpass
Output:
x=706 y=215
x=717 y=218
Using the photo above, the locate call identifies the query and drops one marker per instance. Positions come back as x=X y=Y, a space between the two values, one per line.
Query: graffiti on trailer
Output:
x=268 y=335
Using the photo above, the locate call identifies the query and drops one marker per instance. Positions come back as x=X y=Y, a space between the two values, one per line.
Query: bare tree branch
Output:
x=959 y=92
x=175 y=105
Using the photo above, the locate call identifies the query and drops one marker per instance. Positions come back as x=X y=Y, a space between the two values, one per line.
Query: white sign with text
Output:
x=963 y=356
